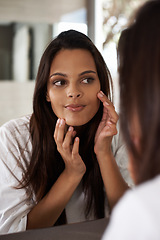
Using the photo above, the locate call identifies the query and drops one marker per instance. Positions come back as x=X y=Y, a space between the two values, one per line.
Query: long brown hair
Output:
x=46 y=163
x=139 y=75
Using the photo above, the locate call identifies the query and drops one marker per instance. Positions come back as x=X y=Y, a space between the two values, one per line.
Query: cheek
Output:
x=92 y=93
x=94 y=96
x=54 y=99
x=95 y=103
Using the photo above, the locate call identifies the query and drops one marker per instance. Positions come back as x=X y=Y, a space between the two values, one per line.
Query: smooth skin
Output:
x=73 y=86
x=115 y=185
x=74 y=82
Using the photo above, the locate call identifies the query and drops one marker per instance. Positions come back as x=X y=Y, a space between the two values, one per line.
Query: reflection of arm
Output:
x=114 y=183
x=47 y=211
x=106 y=149
x=121 y=156
x=14 y=203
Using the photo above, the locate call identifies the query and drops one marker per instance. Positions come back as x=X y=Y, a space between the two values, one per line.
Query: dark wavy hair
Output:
x=46 y=164
x=139 y=75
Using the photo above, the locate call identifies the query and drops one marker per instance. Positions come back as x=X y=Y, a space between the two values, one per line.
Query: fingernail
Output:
x=70 y=129
x=61 y=122
x=76 y=139
x=101 y=94
x=58 y=121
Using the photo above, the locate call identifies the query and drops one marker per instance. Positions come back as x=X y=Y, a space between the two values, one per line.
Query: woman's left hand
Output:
x=107 y=127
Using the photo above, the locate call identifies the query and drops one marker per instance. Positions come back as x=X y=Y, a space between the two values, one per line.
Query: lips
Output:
x=75 y=107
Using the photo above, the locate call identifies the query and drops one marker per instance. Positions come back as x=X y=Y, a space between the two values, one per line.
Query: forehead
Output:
x=79 y=58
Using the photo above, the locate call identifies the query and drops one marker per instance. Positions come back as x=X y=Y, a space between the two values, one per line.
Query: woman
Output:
x=61 y=156
x=137 y=215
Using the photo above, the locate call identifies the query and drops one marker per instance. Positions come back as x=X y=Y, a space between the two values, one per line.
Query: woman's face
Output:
x=73 y=86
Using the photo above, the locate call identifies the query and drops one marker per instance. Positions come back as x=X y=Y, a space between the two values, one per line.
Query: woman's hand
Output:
x=114 y=184
x=68 y=150
x=107 y=127
x=46 y=212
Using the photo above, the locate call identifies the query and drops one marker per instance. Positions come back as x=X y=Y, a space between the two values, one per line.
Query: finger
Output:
x=106 y=102
x=75 y=149
x=111 y=112
x=74 y=133
x=68 y=139
x=105 y=115
x=56 y=128
x=60 y=131
x=110 y=130
x=103 y=98
x=109 y=108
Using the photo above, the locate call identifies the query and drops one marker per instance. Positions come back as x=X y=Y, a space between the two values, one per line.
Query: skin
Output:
x=115 y=185
x=73 y=86
x=81 y=91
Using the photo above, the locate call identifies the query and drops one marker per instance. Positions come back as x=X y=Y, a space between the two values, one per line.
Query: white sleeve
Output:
x=14 y=202
x=121 y=156
x=130 y=221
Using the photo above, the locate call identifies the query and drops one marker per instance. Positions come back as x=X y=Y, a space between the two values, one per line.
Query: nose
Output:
x=74 y=95
x=74 y=92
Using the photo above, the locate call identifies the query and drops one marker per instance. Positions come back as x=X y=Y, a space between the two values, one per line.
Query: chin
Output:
x=76 y=123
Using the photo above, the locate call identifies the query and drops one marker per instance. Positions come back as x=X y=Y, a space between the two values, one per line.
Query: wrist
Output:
x=72 y=177
x=105 y=156
x=105 y=151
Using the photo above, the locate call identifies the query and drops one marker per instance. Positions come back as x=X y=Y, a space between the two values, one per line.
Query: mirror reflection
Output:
x=22 y=43
x=27 y=27
x=59 y=156
x=21 y=46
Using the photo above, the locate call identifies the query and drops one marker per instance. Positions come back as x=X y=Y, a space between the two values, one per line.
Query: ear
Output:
x=47 y=97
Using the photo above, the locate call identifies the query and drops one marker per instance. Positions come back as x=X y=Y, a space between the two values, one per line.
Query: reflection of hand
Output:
x=107 y=127
x=69 y=152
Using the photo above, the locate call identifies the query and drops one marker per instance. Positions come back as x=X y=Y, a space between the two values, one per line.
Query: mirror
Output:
x=21 y=47
x=26 y=28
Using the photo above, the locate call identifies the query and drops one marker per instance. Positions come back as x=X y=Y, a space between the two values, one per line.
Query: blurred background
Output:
x=26 y=28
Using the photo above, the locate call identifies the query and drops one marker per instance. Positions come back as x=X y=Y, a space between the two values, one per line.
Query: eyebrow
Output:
x=59 y=74
x=89 y=71
x=65 y=75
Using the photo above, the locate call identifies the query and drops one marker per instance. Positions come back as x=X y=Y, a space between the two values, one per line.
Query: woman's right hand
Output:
x=69 y=151
x=49 y=208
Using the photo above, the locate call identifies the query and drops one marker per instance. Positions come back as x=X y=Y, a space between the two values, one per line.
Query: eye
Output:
x=88 y=80
x=59 y=82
